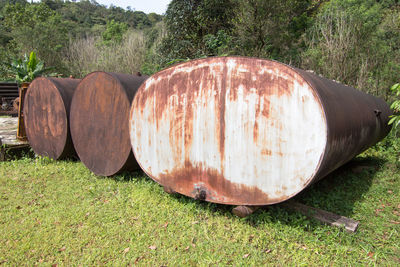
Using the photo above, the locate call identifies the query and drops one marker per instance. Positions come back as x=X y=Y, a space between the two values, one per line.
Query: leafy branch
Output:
x=28 y=68
x=395 y=119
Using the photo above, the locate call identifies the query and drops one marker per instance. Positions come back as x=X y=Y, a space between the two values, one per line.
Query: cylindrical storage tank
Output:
x=100 y=121
x=46 y=114
x=247 y=131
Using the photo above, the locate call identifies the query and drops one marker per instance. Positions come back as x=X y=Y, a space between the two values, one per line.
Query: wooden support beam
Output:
x=323 y=216
x=2 y=152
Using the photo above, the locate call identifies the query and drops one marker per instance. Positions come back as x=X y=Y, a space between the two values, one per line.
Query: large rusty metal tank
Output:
x=248 y=131
x=46 y=114
x=99 y=121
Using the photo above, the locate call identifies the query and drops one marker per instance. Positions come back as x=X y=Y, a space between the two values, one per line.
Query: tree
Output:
x=271 y=28
x=54 y=4
x=139 y=20
x=17 y=15
x=188 y=22
x=32 y=28
x=114 y=32
x=3 y=3
x=154 y=18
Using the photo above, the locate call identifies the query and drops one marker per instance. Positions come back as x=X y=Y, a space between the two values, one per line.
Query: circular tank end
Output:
x=99 y=123
x=46 y=119
x=229 y=130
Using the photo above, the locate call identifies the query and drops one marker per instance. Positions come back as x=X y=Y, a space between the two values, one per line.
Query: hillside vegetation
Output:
x=356 y=42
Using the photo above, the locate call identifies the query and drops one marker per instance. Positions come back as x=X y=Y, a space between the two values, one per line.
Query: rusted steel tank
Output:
x=248 y=131
x=46 y=114
x=99 y=121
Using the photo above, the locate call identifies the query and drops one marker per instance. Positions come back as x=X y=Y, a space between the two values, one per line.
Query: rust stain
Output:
x=255 y=131
x=221 y=101
x=267 y=152
x=191 y=179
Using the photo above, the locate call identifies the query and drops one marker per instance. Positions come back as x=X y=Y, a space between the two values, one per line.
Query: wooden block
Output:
x=323 y=216
x=169 y=190
x=244 y=211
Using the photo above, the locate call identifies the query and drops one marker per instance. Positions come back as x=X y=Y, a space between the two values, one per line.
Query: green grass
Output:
x=59 y=213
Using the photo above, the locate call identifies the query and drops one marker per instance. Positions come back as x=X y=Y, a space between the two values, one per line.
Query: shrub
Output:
x=28 y=68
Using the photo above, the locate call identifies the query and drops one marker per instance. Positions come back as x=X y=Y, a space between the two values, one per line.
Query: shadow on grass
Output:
x=338 y=192
x=15 y=153
x=341 y=189
x=128 y=176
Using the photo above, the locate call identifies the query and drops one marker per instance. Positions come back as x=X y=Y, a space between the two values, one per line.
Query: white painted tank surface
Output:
x=236 y=130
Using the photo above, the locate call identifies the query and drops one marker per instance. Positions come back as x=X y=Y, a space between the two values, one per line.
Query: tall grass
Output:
x=89 y=54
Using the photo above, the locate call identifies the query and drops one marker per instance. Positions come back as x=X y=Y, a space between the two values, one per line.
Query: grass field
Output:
x=59 y=213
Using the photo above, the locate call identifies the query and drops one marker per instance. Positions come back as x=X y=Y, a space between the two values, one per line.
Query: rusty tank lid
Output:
x=46 y=115
x=99 y=121
x=229 y=130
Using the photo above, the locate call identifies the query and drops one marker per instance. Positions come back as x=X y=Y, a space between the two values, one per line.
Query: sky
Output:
x=147 y=6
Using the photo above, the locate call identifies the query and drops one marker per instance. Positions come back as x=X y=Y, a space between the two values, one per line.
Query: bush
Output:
x=28 y=68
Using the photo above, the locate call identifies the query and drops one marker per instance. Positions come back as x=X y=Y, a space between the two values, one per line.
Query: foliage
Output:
x=270 y=28
x=28 y=68
x=349 y=43
x=31 y=27
x=241 y=27
x=154 y=18
x=153 y=60
x=355 y=42
x=191 y=24
x=141 y=21
x=217 y=44
x=17 y=15
x=48 y=27
x=4 y=67
x=114 y=32
x=395 y=119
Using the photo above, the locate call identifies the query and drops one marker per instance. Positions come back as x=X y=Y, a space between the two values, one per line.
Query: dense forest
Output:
x=356 y=42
